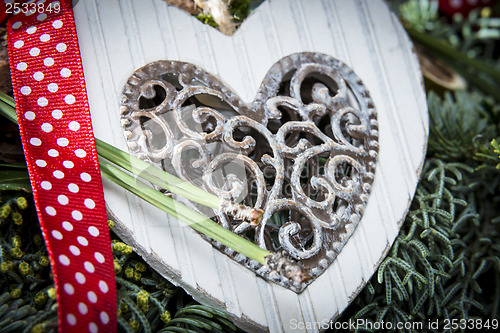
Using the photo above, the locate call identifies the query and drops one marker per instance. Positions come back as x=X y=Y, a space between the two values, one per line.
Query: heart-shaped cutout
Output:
x=304 y=150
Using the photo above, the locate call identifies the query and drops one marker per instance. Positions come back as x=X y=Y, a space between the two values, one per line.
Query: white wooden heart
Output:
x=118 y=36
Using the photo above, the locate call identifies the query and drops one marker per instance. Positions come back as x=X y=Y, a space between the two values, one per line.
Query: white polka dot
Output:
x=41 y=17
x=65 y=72
x=57 y=114
x=73 y=188
x=17 y=25
x=61 y=47
x=75 y=250
x=52 y=87
x=38 y=76
x=53 y=153
x=80 y=153
x=93 y=231
x=63 y=142
x=68 y=288
x=80 y=278
x=93 y=328
x=30 y=115
x=42 y=101
x=67 y=226
x=77 y=215
x=21 y=66
x=31 y=30
x=48 y=61
x=69 y=99
x=103 y=286
x=62 y=199
x=74 y=126
x=89 y=203
x=25 y=90
x=82 y=241
x=63 y=259
x=50 y=210
x=57 y=24
x=104 y=317
x=45 y=38
x=58 y=174
x=89 y=267
x=46 y=127
x=46 y=185
x=34 y=51
x=57 y=234
x=35 y=141
x=41 y=163
x=71 y=319
x=92 y=297
x=99 y=257
x=85 y=177
x=18 y=44
x=82 y=307
x=68 y=164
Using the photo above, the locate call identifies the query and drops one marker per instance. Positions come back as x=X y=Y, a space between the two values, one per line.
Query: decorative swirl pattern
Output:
x=304 y=151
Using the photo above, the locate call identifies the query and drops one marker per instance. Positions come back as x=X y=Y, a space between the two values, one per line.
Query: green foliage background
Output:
x=444 y=263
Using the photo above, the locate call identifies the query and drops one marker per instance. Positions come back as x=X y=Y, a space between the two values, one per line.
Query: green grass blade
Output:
x=15 y=180
x=183 y=213
x=451 y=52
x=156 y=176
x=7 y=107
x=13 y=165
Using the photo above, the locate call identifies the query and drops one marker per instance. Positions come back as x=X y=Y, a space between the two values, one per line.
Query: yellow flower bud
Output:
x=44 y=261
x=24 y=268
x=17 y=218
x=15 y=293
x=129 y=273
x=141 y=267
x=166 y=316
x=51 y=292
x=117 y=267
x=4 y=211
x=16 y=253
x=22 y=203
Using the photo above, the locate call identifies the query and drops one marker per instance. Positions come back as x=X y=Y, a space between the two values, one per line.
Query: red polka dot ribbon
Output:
x=56 y=131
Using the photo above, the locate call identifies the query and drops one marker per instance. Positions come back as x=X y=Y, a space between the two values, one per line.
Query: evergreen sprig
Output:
x=445 y=262
x=490 y=154
x=460 y=123
x=443 y=259
x=27 y=295
x=146 y=301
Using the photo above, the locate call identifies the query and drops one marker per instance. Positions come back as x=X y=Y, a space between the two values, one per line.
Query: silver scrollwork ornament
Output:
x=304 y=150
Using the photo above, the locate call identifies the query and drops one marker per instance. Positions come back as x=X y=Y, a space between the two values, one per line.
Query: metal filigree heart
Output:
x=304 y=150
